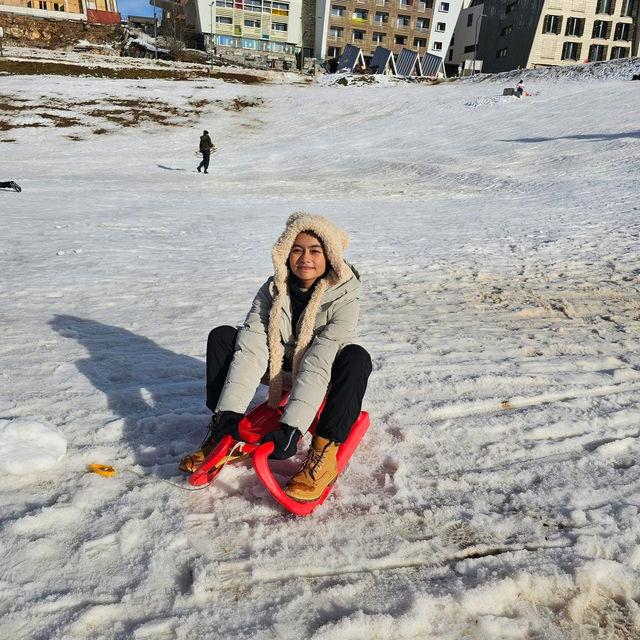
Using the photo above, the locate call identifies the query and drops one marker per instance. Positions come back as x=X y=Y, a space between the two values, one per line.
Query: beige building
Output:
x=539 y=33
x=572 y=31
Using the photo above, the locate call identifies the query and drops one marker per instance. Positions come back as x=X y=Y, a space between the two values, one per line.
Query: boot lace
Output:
x=314 y=461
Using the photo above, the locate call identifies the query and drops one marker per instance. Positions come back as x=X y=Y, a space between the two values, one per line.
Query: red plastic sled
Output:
x=253 y=427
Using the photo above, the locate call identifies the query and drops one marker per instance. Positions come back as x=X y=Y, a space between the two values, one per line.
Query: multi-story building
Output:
x=322 y=28
x=100 y=11
x=538 y=33
x=420 y=25
x=260 y=25
x=461 y=58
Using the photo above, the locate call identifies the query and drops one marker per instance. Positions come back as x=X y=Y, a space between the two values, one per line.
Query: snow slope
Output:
x=496 y=494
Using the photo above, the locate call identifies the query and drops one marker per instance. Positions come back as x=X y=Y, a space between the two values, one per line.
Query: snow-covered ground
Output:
x=497 y=492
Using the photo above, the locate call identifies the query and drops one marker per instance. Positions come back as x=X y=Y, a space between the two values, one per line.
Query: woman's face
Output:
x=307 y=259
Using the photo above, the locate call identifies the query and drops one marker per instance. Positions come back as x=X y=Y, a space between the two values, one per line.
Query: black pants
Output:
x=349 y=375
x=206 y=155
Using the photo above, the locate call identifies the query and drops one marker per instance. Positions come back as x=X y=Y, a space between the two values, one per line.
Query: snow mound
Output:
x=29 y=445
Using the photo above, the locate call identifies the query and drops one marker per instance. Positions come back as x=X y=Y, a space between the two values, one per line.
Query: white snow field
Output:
x=497 y=492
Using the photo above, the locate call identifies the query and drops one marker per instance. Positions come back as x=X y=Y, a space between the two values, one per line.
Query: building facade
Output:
x=538 y=33
x=99 y=11
x=258 y=25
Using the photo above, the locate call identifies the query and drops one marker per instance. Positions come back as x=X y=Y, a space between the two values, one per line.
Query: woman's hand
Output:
x=285 y=442
x=228 y=424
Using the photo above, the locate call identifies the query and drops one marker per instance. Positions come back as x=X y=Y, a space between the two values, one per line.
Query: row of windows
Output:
x=253 y=24
x=261 y=6
x=381 y=17
x=358 y=36
x=423 y=5
x=575 y=27
x=607 y=7
x=572 y=51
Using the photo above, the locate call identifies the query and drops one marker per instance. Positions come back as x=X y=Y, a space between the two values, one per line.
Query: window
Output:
x=337 y=10
x=441 y=26
x=43 y=4
x=378 y=37
x=336 y=32
x=280 y=9
x=225 y=3
x=399 y=39
x=223 y=20
x=601 y=29
x=381 y=17
x=469 y=48
x=403 y=21
x=423 y=5
x=361 y=14
x=571 y=51
x=252 y=24
x=437 y=46
x=575 y=27
x=404 y=4
x=334 y=52
x=619 y=52
x=606 y=6
x=422 y=24
x=622 y=31
x=501 y=53
x=506 y=31
x=511 y=7
x=420 y=43
x=627 y=11
x=444 y=7
x=253 y=5
x=470 y=20
x=278 y=26
x=597 y=52
x=552 y=24
x=357 y=35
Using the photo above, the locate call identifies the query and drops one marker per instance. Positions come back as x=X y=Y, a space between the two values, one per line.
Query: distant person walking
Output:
x=205 y=150
x=10 y=185
x=520 y=89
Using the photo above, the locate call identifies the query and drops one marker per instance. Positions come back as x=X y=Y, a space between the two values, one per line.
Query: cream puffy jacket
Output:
x=267 y=337
x=334 y=327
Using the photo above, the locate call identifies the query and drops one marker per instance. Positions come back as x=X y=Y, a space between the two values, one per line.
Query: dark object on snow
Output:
x=10 y=185
x=636 y=76
x=509 y=91
x=285 y=442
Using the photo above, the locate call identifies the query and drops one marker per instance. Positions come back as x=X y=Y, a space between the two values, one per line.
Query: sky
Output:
x=137 y=8
x=496 y=493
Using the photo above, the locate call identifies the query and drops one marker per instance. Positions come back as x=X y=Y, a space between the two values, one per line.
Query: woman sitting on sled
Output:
x=299 y=334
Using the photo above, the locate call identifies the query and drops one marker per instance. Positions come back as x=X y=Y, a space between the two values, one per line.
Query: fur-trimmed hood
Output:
x=335 y=241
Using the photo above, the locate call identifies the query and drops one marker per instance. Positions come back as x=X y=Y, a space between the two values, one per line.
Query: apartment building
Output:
x=571 y=31
x=367 y=24
x=538 y=33
x=100 y=11
x=461 y=58
x=258 y=25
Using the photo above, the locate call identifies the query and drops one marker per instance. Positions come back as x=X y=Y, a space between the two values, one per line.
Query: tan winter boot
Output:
x=318 y=471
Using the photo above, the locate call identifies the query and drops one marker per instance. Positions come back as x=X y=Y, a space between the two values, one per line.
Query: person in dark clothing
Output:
x=10 y=185
x=205 y=150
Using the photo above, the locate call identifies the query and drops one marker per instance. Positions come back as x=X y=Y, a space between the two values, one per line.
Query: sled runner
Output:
x=253 y=427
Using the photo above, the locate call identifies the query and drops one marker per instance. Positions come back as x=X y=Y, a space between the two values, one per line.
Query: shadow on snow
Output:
x=157 y=393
